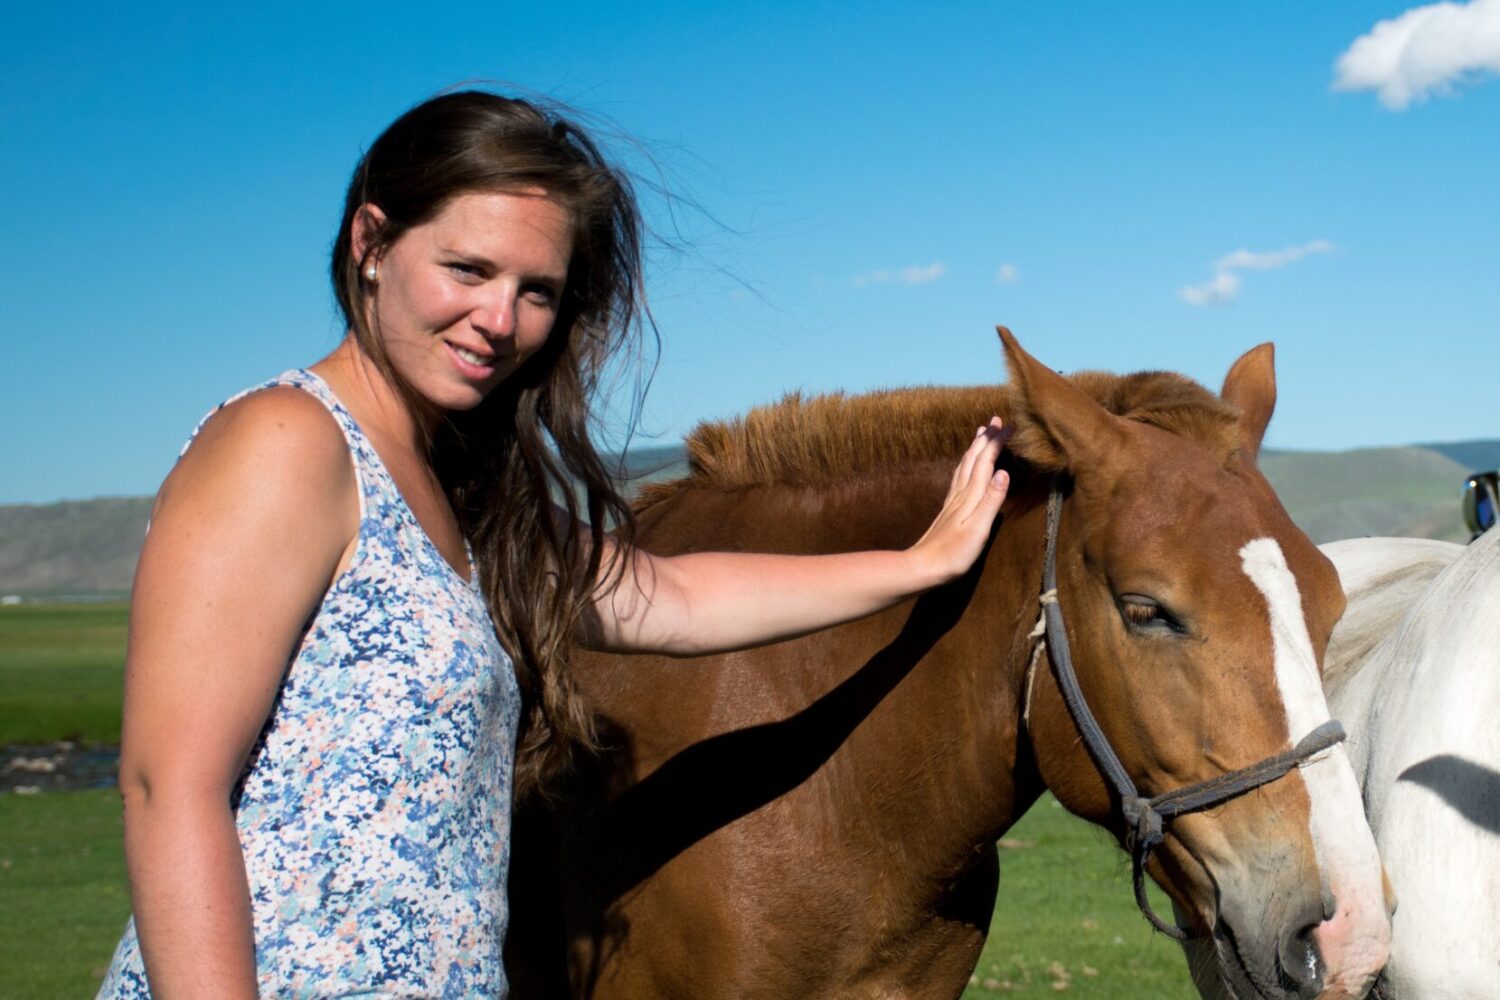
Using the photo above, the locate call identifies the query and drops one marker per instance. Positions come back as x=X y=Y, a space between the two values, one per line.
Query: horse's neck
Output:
x=1382 y=578
x=1411 y=669
x=977 y=750
x=1437 y=666
x=1013 y=574
x=975 y=753
x=985 y=658
x=958 y=652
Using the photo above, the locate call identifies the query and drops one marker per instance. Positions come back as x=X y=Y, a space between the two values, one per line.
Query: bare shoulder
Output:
x=278 y=442
x=271 y=469
x=245 y=539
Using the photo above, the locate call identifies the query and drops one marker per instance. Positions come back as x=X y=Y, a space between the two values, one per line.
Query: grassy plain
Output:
x=62 y=667
x=1066 y=920
x=63 y=896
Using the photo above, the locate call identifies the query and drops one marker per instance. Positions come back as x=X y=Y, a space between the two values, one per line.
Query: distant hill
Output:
x=647 y=465
x=1474 y=456
x=1373 y=491
x=77 y=548
x=89 y=547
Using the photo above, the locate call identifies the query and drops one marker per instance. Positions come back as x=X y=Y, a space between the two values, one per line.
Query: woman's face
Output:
x=463 y=300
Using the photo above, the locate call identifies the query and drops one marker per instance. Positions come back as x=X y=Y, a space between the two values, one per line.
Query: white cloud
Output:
x=1226 y=283
x=1429 y=49
x=1248 y=260
x=911 y=275
x=1221 y=288
x=1007 y=275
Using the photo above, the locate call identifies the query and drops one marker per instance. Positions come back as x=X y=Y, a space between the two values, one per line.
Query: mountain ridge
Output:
x=88 y=548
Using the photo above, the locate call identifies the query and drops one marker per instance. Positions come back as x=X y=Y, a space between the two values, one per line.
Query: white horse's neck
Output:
x=1382 y=578
x=1415 y=677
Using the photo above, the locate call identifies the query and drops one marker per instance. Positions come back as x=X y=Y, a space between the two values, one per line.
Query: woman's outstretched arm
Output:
x=247 y=531
x=708 y=602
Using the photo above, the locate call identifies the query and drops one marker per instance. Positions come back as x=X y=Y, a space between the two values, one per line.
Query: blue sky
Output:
x=879 y=185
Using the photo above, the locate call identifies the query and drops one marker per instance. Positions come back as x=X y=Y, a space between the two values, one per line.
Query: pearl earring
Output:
x=371 y=273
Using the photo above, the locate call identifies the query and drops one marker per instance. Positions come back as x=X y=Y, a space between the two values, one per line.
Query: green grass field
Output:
x=1066 y=919
x=61 y=671
x=63 y=898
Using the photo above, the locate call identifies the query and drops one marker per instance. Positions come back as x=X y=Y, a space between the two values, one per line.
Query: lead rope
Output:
x=1038 y=637
x=1143 y=817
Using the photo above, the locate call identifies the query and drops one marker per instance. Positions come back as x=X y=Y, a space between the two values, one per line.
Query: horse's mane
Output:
x=808 y=440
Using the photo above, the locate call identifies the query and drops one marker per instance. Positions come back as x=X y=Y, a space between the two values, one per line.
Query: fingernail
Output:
x=1000 y=479
x=979 y=432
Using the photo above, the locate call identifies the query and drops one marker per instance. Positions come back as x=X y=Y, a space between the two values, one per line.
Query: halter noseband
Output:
x=1144 y=817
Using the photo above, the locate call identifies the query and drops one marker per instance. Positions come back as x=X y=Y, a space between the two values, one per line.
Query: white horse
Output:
x=1419 y=695
x=1413 y=672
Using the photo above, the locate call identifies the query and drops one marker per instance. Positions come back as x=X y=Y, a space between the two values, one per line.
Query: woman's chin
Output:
x=460 y=401
x=453 y=395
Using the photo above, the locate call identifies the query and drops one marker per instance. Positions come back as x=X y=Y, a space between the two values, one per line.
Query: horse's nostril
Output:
x=1300 y=964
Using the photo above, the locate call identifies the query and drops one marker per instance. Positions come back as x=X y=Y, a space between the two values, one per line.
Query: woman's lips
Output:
x=464 y=361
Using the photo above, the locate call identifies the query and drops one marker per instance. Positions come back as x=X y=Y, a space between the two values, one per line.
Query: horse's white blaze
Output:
x=1354 y=942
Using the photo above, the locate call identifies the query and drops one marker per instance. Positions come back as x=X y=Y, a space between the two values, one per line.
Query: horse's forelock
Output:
x=804 y=440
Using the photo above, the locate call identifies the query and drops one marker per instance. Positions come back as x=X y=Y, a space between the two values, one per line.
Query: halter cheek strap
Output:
x=1144 y=817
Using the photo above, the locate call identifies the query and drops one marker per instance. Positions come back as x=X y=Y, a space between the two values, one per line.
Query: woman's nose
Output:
x=495 y=315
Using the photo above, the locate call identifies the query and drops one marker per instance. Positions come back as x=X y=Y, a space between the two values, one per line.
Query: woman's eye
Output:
x=465 y=270
x=540 y=294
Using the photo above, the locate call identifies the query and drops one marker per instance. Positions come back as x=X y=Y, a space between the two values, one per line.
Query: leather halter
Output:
x=1144 y=817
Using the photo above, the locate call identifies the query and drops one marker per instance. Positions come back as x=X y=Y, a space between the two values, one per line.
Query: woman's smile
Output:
x=473 y=364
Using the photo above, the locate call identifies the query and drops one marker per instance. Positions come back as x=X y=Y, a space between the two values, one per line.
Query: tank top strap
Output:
x=381 y=505
x=299 y=378
x=375 y=483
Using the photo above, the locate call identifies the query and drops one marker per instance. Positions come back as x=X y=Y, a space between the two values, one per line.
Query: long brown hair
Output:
x=505 y=463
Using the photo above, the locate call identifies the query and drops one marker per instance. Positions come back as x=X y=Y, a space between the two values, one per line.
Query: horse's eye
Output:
x=1143 y=614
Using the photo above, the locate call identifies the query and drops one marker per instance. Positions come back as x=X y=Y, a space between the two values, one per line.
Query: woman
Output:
x=322 y=712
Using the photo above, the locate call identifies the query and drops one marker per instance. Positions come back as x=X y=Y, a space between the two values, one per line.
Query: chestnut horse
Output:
x=818 y=818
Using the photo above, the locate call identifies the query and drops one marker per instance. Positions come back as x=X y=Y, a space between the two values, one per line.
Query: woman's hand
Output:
x=961 y=529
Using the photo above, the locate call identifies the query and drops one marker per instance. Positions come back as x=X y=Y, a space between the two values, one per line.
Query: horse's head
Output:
x=1198 y=616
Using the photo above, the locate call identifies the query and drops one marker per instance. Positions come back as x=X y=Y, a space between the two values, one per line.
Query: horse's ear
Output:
x=1251 y=387
x=1057 y=425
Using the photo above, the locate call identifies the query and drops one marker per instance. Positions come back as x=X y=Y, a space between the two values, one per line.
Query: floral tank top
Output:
x=374 y=809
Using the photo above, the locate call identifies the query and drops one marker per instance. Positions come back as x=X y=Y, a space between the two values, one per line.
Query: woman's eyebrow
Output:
x=467 y=256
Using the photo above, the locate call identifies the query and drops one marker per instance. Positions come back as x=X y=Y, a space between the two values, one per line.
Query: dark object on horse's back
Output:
x=1481 y=500
x=817 y=818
